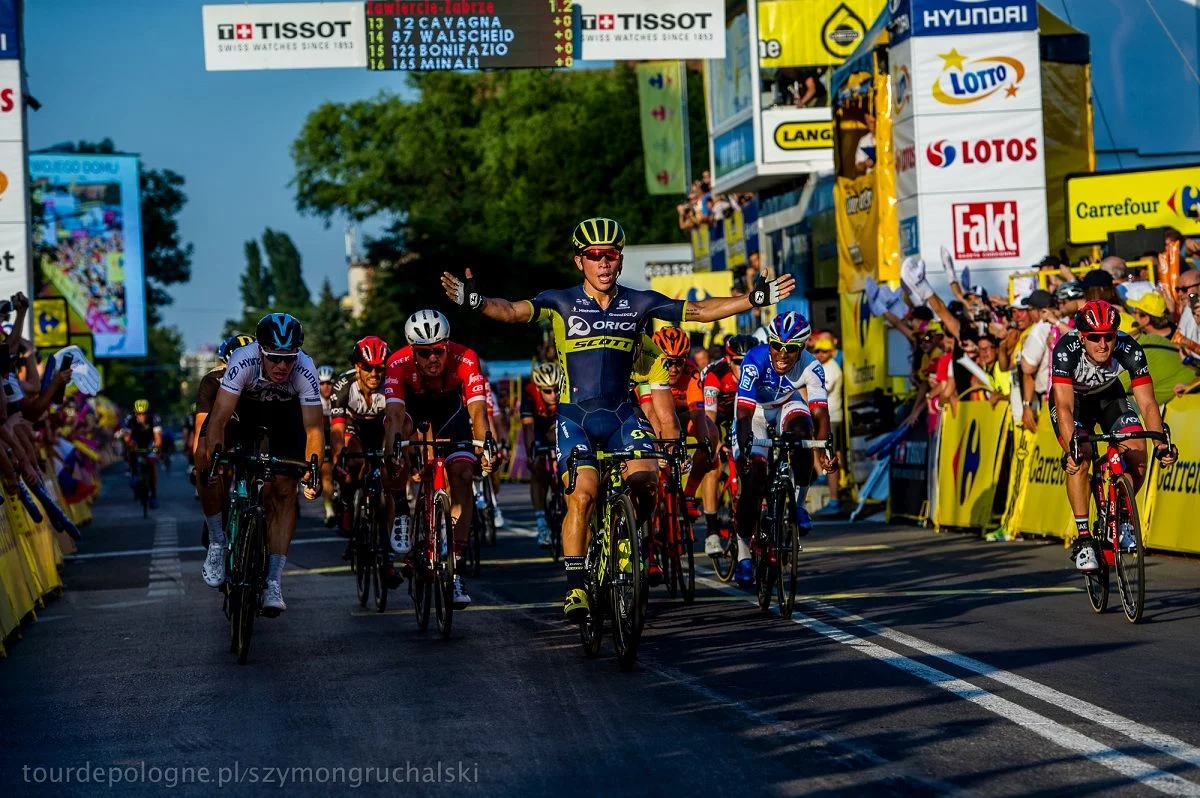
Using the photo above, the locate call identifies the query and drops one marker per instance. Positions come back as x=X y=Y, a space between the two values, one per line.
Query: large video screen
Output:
x=87 y=238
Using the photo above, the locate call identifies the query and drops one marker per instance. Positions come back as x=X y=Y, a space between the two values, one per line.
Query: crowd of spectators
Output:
x=703 y=207
x=996 y=348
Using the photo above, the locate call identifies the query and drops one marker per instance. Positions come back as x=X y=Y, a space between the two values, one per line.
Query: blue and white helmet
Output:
x=280 y=332
x=789 y=328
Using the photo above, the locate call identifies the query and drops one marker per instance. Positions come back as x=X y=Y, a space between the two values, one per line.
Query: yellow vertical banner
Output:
x=857 y=223
x=972 y=440
x=662 y=102
x=693 y=287
x=887 y=253
x=700 y=247
x=864 y=364
x=735 y=239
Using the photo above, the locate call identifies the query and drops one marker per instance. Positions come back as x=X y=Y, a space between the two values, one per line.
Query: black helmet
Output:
x=739 y=345
x=235 y=341
x=1068 y=291
x=280 y=332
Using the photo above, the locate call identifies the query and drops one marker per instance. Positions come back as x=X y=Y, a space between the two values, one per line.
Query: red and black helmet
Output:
x=1097 y=316
x=370 y=351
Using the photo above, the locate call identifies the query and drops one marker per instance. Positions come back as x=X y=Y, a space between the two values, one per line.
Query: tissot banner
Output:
x=284 y=36
x=634 y=30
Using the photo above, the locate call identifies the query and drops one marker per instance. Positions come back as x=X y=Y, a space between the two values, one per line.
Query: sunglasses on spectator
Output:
x=790 y=349
x=281 y=357
x=602 y=254
x=1180 y=288
x=426 y=352
x=1099 y=338
x=673 y=362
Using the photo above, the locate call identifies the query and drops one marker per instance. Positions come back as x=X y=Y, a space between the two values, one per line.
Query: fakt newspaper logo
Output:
x=943 y=154
x=966 y=461
x=985 y=230
x=964 y=80
x=1185 y=201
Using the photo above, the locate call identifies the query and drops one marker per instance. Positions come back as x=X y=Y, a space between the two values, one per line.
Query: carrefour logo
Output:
x=966 y=80
x=1185 y=201
x=941 y=153
x=862 y=318
x=902 y=81
x=966 y=460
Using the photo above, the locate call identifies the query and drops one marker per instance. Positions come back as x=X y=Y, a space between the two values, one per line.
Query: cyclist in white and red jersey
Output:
x=1085 y=393
x=437 y=381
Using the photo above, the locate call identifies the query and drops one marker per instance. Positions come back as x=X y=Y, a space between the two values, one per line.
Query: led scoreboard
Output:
x=457 y=34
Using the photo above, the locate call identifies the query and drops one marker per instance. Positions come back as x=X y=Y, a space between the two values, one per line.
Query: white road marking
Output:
x=1062 y=736
x=166 y=572
x=177 y=549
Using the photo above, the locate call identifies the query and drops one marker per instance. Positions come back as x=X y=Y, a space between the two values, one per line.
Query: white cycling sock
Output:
x=275 y=568
x=216 y=534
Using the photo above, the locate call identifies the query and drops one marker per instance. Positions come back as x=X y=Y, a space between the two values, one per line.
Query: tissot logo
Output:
x=645 y=22
x=943 y=154
x=268 y=31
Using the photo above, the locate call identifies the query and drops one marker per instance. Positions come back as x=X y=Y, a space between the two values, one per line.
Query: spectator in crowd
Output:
x=1184 y=301
x=1154 y=332
x=864 y=154
x=824 y=350
x=1034 y=361
x=700 y=357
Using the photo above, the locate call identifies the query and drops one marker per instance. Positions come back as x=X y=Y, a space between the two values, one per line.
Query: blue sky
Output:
x=133 y=71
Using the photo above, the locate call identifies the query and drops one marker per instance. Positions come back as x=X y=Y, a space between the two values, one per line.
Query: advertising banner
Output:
x=812 y=32
x=14 y=211
x=968 y=75
x=284 y=36
x=798 y=135
x=735 y=239
x=50 y=323
x=996 y=151
x=857 y=231
x=633 y=30
x=908 y=476
x=959 y=17
x=900 y=72
x=728 y=78
x=694 y=287
x=969 y=463
x=864 y=367
x=733 y=149
x=1040 y=504
x=700 y=248
x=10 y=36
x=1112 y=201
x=88 y=239
x=985 y=230
x=1171 y=504
x=662 y=103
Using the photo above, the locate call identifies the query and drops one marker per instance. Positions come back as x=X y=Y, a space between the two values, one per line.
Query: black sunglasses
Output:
x=673 y=362
x=426 y=352
x=372 y=369
x=791 y=349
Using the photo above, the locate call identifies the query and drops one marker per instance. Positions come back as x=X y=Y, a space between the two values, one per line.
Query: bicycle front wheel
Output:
x=362 y=559
x=1130 y=556
x=627 y=587
x=443 y=567
x=684 y=550
x=788 y=550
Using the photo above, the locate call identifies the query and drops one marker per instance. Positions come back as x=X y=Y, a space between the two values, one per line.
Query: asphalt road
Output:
x=916 y=664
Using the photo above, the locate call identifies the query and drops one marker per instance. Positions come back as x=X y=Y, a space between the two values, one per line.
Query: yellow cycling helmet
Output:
x=141 y=406
x=598 y=232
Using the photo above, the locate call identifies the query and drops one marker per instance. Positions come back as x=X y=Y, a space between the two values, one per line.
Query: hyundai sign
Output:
x=960 y=17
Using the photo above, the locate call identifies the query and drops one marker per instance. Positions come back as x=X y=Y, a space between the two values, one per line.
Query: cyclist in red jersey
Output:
x=720 y=392
x=539 y=406
x=437 y=381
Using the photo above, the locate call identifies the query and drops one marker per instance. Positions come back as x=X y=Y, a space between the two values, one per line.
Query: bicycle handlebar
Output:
x=1078 y=438
x=312 y=465
x=572 y=466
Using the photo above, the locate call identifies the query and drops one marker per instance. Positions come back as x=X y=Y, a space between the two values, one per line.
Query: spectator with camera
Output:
x=1154 y=332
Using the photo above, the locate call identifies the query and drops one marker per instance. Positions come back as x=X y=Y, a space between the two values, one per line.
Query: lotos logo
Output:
x=966 y=80
x=577 y=326
x=967 y=459
x=906 y=158
x=985 y=230
x=941 y=154
x=1185 y=201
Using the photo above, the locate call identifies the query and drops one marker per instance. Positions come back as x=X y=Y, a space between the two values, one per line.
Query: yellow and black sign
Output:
x=50 y=323
x=804 y=135
x=1109 y=202
x=812 y=33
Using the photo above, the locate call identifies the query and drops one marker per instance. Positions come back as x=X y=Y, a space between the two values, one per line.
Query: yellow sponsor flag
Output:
x=972 y=440
x=662 y=100
x=1172 y=500
x=698 y=286
x=857 y=229
x=812 y=32
x=864 y=361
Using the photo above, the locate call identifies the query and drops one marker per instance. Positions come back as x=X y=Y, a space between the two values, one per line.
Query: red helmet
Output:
x=673 y=342
x=1097 y=316
x=370 y=351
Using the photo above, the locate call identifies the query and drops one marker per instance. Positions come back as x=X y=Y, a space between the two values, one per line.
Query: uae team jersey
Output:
x=597 y=346
x=1071 y=365
x=761 y=385
x=244 y=378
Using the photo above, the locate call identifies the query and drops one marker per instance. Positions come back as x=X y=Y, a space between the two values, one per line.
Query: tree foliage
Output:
x=287 y=279
x=277 y=286
x=328 y=333
x=490 y=171
x=256 y=286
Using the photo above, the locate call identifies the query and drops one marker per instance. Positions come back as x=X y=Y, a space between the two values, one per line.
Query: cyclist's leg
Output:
x=632 y=435
x=460 y=471
x=1120 y=415
x=797 y=423
x=285 y=433
x=1078 y=484
x=573 y=437
x=754 y=484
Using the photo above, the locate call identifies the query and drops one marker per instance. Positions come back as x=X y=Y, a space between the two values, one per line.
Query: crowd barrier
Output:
x=978 y=471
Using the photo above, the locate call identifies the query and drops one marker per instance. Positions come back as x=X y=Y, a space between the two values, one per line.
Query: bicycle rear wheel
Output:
x=1130 y=560
x=443 y=566
x=725 y=563
x=489 y=515
x=363 y=559
x=627 y=586
x=379 y=554
x=471 y=561
x=253 y=564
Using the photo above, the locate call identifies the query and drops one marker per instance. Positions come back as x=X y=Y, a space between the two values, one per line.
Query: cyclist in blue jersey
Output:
x=782 y=385
x=597 y=327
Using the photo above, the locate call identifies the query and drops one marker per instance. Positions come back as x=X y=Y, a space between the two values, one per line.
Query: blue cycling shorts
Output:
x=618 y=429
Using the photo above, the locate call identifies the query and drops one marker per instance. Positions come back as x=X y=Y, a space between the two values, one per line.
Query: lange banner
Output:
x=284 y=36
x=662 y=100
x=972 y=441
x=1112 y=201
x=87 y=235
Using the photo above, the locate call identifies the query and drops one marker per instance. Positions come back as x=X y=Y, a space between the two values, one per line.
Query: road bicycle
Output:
x=775 y=549
x=615 y=575
x=431 y=561
x=556 y=502
x=370 y=549
x=1116 y=517
x=140 y=479
x=725 y=562
x=246 y=534
x=674 y=536
x=484 y=492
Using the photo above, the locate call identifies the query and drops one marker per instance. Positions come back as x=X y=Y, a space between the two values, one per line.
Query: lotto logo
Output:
x=985 y=230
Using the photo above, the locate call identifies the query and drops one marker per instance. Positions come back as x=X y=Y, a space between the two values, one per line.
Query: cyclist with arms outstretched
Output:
x=598 y=325
x=1085 y=393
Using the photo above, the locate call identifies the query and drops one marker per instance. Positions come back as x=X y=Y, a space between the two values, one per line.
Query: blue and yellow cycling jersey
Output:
x=597 y=346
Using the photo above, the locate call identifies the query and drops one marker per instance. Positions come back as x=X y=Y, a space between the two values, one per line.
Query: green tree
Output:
x=256 y=287
x=328 y=332
x=490 y=171
x=287 y=281
x=156 y=377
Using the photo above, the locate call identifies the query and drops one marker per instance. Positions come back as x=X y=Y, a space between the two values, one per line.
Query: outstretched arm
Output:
x=463 y=293
x=717 y=308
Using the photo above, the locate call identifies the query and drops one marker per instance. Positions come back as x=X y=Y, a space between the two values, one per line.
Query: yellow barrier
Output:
x=1171 y=497
x=1039 y=504
x=29 y=559
x=968 y=463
